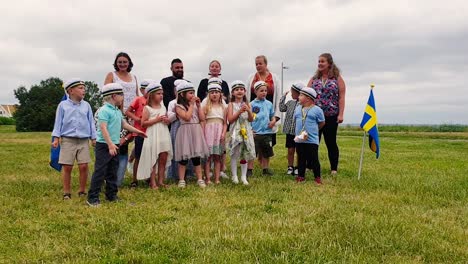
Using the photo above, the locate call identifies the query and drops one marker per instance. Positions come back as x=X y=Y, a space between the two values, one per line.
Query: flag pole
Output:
x=362 y=155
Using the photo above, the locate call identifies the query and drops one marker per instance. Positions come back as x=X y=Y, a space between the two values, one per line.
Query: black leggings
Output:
x=307 y=158
x=329 y=133
x=195 y=161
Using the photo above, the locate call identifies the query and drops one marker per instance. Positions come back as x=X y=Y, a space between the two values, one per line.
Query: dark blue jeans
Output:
x=105 y=169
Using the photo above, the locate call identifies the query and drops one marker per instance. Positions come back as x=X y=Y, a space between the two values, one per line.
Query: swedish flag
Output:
x=369 y=124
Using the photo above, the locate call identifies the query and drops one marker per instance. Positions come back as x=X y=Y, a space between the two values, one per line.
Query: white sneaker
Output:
x=223 y=175
x=181 y=184
x=244 y=180
x=201 y=183
x=290 y=170
x=235 y=180
x=296 y=171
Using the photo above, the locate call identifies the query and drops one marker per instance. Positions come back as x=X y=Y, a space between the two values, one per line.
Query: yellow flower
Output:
x=243 y=132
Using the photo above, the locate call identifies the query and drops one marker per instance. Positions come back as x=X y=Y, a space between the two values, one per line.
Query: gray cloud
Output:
x=415 y=52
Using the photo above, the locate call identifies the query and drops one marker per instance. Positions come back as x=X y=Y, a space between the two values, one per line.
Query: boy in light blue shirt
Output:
x=262 y=126
x=74 y=126
x=110 y=122
x=309 y=119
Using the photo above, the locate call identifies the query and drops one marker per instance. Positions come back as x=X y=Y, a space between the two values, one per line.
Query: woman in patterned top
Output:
x=331 y=90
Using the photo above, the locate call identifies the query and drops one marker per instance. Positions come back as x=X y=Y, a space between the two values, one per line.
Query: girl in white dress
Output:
x=156 y=154
x=241 y=144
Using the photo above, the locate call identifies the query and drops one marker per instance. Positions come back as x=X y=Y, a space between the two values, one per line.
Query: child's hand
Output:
x=113 y=149
x=93 y=142
x=55 y=143
x=286 y=93
x=157 y=119
x=222 y=137
x=142 y=134
x=166 y=120
x=197 y=101
x=272 y=123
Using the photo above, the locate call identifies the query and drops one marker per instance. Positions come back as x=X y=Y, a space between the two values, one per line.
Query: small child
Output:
x=135 y=112
x=309 y=119
x=290 y=124
x=74 y=125
x=110 y=122
x=173 y=127
x=190 y=141
x=262 y=126
x=157 y=147
x=241 y=144
x=215 y=130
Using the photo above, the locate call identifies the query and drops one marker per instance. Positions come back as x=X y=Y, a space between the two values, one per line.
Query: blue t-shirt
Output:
x=312 y=117
x=263 y=110
x=111 y=115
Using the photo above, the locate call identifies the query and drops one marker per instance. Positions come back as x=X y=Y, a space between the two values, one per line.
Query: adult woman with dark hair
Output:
x=123 y=66
x=215 y=71
x=273 y=92
x=331 y=91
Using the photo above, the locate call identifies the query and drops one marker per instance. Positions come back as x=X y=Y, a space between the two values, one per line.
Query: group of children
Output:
x=199 y=132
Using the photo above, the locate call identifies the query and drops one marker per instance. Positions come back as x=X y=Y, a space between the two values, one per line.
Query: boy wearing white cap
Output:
x=74 y=125
x=110 y=122
x=262 y=125
x=309 y=119
x=289 y=126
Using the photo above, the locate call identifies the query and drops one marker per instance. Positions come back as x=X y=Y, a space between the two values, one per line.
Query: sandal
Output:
x=67 y=196
x=133 y=184
x=82 y=194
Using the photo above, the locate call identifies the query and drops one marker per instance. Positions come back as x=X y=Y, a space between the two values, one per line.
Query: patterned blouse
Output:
x=327 y=96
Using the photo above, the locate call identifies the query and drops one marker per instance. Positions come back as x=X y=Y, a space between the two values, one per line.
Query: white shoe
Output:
x=235 y=180
x=201 y=183
x=181 y=184
x=244 y=180
x=223 y=175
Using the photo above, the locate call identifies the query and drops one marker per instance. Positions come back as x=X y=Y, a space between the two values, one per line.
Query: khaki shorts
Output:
x=74 y=148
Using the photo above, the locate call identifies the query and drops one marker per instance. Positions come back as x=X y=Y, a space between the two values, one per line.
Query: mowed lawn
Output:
x=410 y=206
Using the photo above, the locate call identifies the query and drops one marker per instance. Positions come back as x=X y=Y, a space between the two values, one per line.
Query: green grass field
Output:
x=411 y=206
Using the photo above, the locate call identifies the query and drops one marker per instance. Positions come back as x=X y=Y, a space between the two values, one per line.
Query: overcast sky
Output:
x=414 y=51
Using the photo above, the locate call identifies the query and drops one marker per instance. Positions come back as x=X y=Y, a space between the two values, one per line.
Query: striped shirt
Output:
x=289 y=124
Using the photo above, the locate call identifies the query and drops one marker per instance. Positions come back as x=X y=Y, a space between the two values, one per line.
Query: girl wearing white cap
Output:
x=156 y=154
x=190 y=141
x=215 y=130
x=241 y=144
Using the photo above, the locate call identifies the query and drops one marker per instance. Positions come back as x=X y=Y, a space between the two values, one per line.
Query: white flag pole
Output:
x=362 y=155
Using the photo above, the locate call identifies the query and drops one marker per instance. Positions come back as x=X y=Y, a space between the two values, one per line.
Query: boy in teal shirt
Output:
x=110 y=122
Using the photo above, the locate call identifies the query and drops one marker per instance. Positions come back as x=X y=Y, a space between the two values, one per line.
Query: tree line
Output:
x=37 y=106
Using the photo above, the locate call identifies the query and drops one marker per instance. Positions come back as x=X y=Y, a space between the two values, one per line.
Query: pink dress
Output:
x=190 y=140
x=213 y=130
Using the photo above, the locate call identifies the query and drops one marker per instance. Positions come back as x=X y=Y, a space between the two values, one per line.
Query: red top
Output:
x=270 y=86
x=137 y=106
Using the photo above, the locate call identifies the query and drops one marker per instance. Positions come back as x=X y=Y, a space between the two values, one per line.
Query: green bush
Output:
x=7 y=120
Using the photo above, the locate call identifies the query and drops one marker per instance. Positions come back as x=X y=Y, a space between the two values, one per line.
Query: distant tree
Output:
x=36 y=110
x=93 y=95
x=37 y=107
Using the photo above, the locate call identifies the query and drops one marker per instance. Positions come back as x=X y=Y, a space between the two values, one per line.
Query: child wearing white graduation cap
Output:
x=215 y=130
x=110 y=123
x=309 y=119
x=156 y=152
x=190 y=140
x=241 y=143
x=74 y=125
